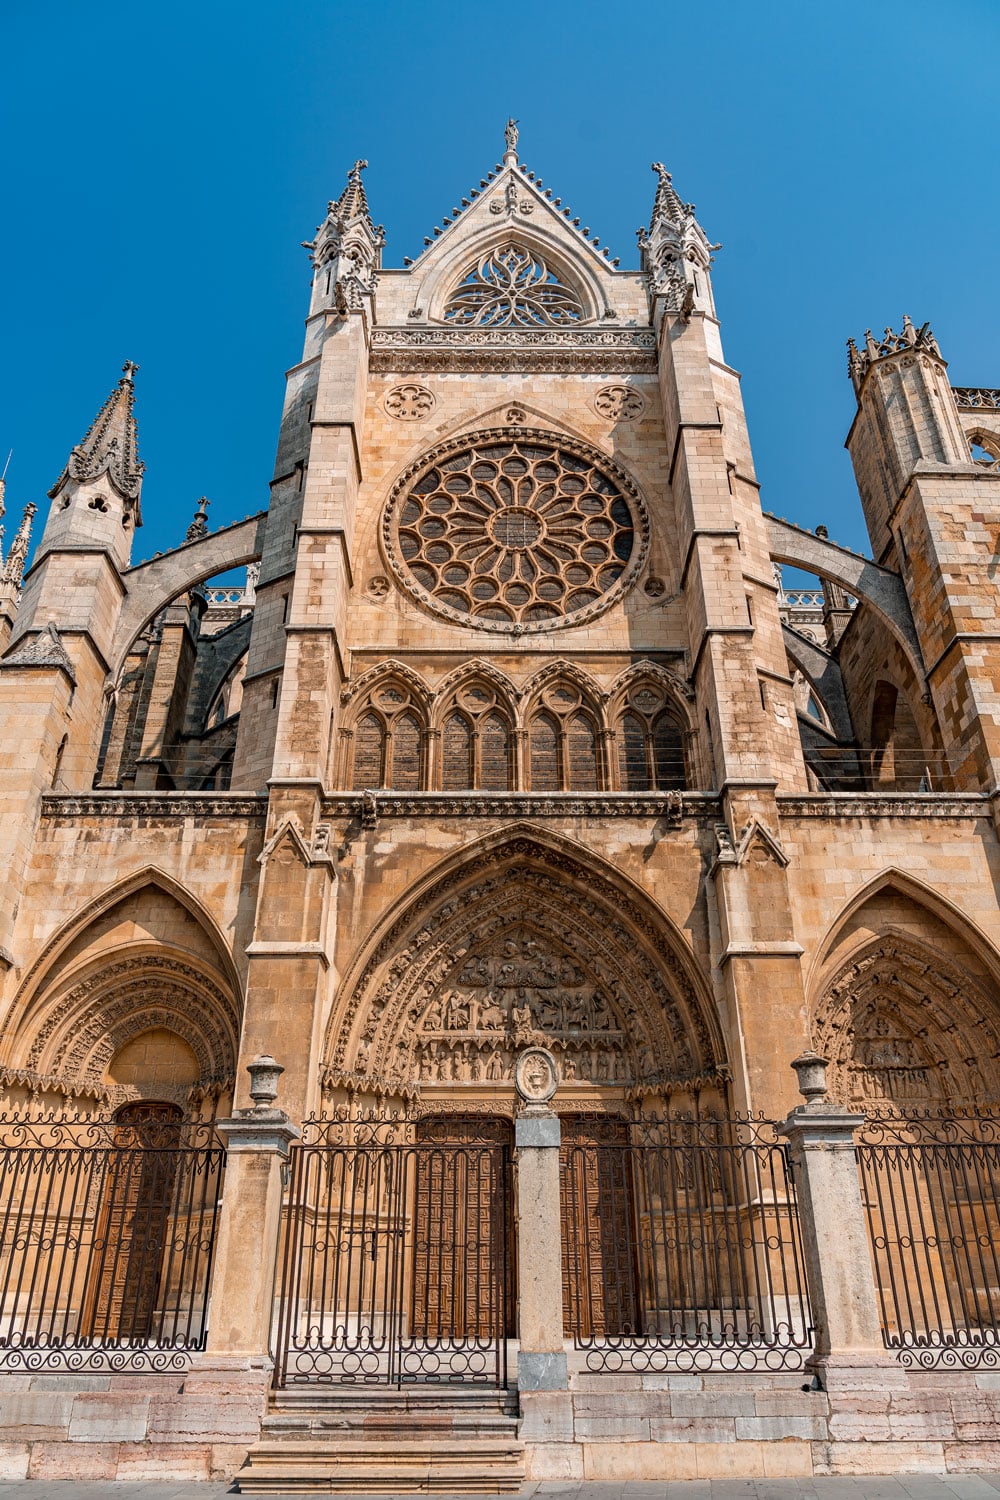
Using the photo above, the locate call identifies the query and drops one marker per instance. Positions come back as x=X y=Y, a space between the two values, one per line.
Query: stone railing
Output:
x=976 y=398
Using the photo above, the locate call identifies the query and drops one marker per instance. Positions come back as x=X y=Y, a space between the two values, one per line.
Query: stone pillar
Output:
x=542 y=1376
x=841 y=1280
x=246 y=1252
x=541 y=1361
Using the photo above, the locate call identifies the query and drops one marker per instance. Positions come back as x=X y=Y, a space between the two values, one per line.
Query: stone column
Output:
x=246 y=1252
x=841 y=1280
x=542 y=1377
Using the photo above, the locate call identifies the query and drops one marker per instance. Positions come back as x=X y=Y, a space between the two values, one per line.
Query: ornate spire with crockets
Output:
x=353 y=201
x=347 y=250
x=110 y=446
x=673 y=248
x=13 y=570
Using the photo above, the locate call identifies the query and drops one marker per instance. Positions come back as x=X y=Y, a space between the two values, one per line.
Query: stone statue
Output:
x=510 y=135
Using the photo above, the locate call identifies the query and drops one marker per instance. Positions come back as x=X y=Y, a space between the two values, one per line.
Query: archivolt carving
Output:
x=524 y=945
x=901 y=1026
x=85 y=1026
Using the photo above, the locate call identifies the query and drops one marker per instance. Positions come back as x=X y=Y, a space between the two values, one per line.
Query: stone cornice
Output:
x=115 y=804
x=885 y=805
x=586 y=350
x=670 y=805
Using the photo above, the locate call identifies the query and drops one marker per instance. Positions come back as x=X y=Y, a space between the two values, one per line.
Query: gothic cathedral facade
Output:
x=513 y=738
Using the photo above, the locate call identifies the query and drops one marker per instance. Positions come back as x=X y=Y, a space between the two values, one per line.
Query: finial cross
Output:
x=129 y=369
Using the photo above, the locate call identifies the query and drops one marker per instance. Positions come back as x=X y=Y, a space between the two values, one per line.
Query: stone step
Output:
x=383 y=1466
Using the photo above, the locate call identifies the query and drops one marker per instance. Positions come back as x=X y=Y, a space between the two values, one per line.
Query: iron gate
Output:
x=396 y=1264
x=931 y=1189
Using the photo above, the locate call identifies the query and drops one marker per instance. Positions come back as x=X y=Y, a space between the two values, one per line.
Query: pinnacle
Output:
x=110 y=445
x=353 y=201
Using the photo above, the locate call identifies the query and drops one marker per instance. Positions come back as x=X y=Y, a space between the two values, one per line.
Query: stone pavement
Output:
x=870 y=1487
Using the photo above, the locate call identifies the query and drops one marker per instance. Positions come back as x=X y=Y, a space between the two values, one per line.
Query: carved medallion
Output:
x=618 y=403
x=410 y=402
x=536 y=1075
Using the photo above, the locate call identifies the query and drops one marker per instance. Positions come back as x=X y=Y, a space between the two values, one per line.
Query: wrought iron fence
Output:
x=397 y=1262
x=682 y=1248
x=931 y=1189
x=107 y=1231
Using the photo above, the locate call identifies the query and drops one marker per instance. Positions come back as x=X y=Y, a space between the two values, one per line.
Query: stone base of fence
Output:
x=200 y=1425
x=714 y=1426
x=195 y=1425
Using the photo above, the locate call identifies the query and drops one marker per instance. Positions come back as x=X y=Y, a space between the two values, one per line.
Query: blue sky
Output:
x=163 y=164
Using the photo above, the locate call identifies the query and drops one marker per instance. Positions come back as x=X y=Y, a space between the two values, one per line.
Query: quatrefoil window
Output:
x=512 y=287
x=516 y=532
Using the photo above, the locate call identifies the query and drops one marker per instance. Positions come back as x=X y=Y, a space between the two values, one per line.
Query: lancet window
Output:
x=476 y=742
x=512 y=286
x=650 y=743
x=389 y=743
x=563 y=743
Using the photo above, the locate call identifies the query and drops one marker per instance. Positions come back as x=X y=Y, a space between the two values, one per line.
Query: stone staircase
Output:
x=386 y=1442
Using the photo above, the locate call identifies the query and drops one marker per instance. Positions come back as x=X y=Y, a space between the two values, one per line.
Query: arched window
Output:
x=543 y=741
x=457 y=767
x=563 y=741
x=633 y=768
x=650 y=742
x=369 y=753
x=476 y=741
x=406 y=754
x=668 y=754
x=581 y=754
x=389 y=742
x=495 y=756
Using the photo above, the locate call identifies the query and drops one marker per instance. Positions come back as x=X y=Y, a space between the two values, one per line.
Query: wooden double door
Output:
x=131 y=1226
x=464 y=1262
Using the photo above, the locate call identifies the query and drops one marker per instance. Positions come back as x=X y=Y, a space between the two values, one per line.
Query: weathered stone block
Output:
x=618 y=1462
x=35 y=1415
x=14 y=1461
x=108 y=1418
x=139 y=1462
x=78 y=1461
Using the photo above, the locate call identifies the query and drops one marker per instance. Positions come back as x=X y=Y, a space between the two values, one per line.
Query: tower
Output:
x=928 y=506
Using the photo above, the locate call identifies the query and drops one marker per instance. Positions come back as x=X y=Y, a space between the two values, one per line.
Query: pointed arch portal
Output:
x=524 y=944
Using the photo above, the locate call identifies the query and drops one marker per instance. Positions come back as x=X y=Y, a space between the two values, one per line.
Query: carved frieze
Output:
x=584 y=350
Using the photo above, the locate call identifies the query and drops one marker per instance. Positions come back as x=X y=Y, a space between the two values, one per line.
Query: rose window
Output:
x=516 y=532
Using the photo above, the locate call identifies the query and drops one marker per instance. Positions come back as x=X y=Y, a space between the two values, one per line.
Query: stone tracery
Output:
x=515 y=529
x=511 y=286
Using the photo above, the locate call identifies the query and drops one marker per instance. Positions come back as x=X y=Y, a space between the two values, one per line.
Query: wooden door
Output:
x=463 y=1284
x=131 y=1226
x=597 y=1204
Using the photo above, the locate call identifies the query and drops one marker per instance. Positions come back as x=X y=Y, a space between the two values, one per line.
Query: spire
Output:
x=667 y=206
x=347 y=249
x=673 y=242
x=353 y=201
x=13 y=571
x=110 y=446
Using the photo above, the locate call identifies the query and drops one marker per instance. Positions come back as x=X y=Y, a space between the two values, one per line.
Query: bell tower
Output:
x=934 y=515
